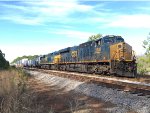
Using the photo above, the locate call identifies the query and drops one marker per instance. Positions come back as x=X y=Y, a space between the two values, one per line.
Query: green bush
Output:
x=143 y=64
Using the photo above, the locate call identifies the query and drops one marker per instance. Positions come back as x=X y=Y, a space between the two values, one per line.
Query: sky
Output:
x=36 y=27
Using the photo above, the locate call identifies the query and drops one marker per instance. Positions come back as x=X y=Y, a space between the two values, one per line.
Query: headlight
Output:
x=119 y=46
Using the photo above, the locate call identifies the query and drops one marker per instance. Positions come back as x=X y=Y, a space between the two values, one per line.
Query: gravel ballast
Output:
x=125 y=101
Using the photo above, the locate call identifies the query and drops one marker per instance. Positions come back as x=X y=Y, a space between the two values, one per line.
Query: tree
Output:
x=144 y=61
x=95 y=37
x=146 y=45
x=3 y=63
x=30 y=57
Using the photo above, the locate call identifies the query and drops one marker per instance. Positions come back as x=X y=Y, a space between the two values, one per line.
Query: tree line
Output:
x=3 y=63
x=30 y=57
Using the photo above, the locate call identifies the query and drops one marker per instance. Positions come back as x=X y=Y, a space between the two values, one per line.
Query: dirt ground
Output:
x=56 y=100
x=52 y=99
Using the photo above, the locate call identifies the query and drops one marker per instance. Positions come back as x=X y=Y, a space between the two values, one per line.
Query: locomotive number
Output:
x=74 y=53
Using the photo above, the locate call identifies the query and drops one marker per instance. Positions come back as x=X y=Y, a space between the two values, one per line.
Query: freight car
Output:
x=107 y=55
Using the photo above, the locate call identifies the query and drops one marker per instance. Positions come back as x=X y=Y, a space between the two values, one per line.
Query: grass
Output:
x=15 y=95
x=12 y=88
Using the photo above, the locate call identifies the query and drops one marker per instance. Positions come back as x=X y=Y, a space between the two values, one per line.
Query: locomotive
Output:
x=107 y=55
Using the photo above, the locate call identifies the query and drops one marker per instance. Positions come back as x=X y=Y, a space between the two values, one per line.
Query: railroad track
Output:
x=129 y=85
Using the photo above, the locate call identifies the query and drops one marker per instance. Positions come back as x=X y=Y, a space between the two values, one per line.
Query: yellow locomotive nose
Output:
x=123 y=61
x=121 y=51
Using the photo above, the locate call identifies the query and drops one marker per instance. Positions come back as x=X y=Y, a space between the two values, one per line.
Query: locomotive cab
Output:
x=119 y=54
x=103 y=45
x=122 y=58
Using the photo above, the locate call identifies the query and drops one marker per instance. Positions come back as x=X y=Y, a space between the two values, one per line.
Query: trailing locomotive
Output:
x=107 y=55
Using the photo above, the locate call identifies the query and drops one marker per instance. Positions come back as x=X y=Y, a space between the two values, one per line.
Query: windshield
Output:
x=120 y=39
x=108 y=40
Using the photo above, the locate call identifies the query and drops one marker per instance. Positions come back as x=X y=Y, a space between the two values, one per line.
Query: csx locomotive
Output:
x=107 y=55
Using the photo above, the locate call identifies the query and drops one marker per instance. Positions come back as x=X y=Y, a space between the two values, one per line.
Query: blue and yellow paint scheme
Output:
x=109 y=54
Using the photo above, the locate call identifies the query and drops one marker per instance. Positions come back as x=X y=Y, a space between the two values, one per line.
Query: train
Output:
x=109 y=55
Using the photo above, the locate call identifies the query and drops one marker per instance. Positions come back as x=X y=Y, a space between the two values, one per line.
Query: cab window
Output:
x=108 y=40
x=119 y=39
x=98 y=43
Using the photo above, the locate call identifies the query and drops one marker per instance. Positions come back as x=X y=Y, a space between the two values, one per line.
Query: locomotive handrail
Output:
x=133 y=55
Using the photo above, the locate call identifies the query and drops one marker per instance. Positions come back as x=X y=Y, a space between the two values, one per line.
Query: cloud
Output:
x=72 y=33
x=70 y=11
x=136 y=42
x=131 y=21
x=23 y=20
x=144 y=8
x=41 y=12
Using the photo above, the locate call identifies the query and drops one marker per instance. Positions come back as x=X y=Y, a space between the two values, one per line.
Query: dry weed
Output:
x=15 y=96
